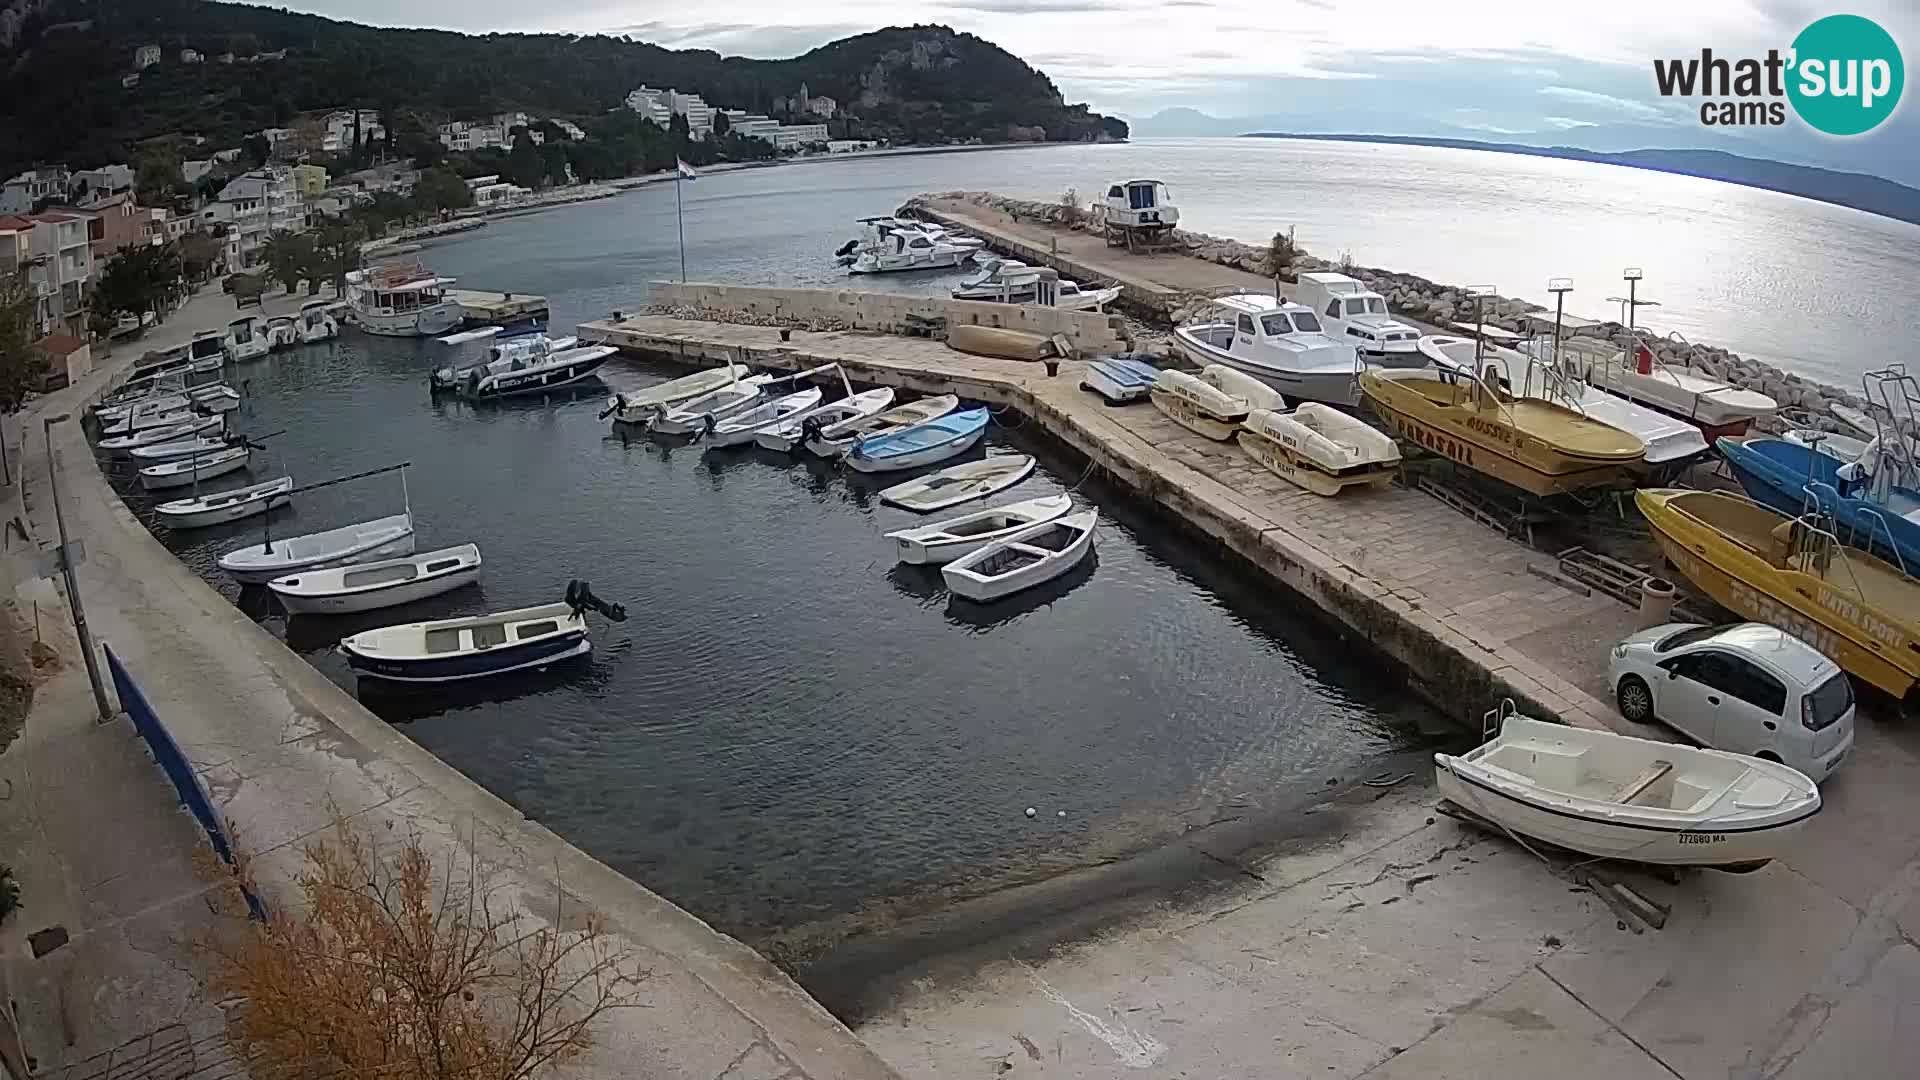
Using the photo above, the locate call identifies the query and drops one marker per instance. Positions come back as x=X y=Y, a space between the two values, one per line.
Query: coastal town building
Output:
x=799 y=136
x=118 y=222
x=101 y=182
x=192 y=171
x=652 y=104
x=309 y=180
x=59 y=261
x=23 y=192
x=699 y=114
x=252 y=207
x=338 y=134
x=572 y=130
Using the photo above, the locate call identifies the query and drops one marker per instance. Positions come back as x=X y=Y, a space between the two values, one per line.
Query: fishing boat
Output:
x=1258 y=395
x=997 y=279
x=181 y=472
x=206 y=352
x=889 y=245
x=174 y=361
x=1717 y=407
x=923 y=444
x=282 y=333
x=344 y=590
x=1536 y=446
x=834 y=440
x=692 y=415
x=1320 y=448
x=1793 y=573
x=448 y=650
x=225 y=506
x=529 y=365
x=1119 y=380
x=789 y=433
x=956 y=484
x=364 y=541
x=215 y=397
x=125 y=445
x=178 y=448
x=942 y=542
x=1881 y=515
x=640 y=406
x=317 y=323
x=246 y=339
x=115 y=417
x=1358 y=315
x=742 y=426
x=1041 y=286
x=401 y=300
x=1033 y=556
x=1198 y=406
x=1281 y=344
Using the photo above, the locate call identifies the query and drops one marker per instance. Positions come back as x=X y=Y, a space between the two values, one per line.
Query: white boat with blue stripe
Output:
x=449 y=650
x=923 y=444
x=1120 y=379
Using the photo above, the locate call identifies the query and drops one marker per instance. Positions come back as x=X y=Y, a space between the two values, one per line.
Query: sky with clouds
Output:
x=1473 y=68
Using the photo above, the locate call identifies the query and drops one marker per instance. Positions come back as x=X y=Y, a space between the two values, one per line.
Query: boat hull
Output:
x=1190 y=416
x=220 y=515
x=931 y=455
x=1119 y=384
x=1783 y=484
x=964 y=579
x=423 y=322
x=400 y=592
x=189 y=476
x=537 y=382
x=1329 y=387
x=499 y=660
x=1298 y=469
x=391 y=549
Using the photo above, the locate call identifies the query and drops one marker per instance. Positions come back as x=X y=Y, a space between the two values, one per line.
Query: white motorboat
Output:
x=282 y=333
x=246 y=339
x=343 y=590
x=529 y=364
x=930 y=443
x=181 y=472
x=365 y=541
x=1258 y=395
x=1616 y=797
x=1670 y=442
x=178 y=448
x=640 y=406
x=225 y=506
x=835 y=440
x=206 y=352
x=448 y=650
x=944 y=541
x=956 y=484
x=317 y=323
x=1200 y=407
x=125 y=445
x=401 y=300
x=1719 y=408
x=1010 y=282
x=691 y=416
x=1282 y=345
x=998 y=279
x=742 y=426
x=896 y=246
x=1356 y=314
x=114 y=417
x=1033 y=556
x=1120 y=379
x=1319 y=448
x=790 y=432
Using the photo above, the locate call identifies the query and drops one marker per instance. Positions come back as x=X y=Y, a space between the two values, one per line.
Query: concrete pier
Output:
x=1452 y=602
x=479 y=307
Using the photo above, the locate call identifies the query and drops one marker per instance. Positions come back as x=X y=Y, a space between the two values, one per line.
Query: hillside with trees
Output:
x=62 y=96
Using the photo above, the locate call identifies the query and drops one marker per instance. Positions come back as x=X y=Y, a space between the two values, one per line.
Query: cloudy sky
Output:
x=1472 y=68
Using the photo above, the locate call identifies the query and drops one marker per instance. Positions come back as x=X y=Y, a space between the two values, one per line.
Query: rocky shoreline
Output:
x=1417 y=298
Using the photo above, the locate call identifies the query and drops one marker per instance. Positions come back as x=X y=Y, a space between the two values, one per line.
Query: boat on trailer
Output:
x=222 y=507
x=449 y=650
x=942 y=542
x=834 y=440
x=959 y=483
x=1320 y=448
x=1199 y=407
x=791 y=432
x=369 y=586
x=1033 y=556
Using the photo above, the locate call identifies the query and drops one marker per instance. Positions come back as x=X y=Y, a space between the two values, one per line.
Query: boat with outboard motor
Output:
x=522 y=364
x=448 y=650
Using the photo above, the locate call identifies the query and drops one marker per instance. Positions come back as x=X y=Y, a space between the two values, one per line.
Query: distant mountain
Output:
x=62 y=96
x=1873 y=194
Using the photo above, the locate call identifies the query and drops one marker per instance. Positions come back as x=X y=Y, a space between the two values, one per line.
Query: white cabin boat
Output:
x=1033 y=556
x=344 y=590
x=317 y=323
x=902 y=246
x=1357 y=315
x=1010 y=282
x=206 y=352
x=1719 y=408
x=640 y=406
x=692 y=415
x=401 y=300
x=246 y=339
x=1320 y=448
x=1281 y=344
x=184 y=471
x=1197 y=406
x=835 y=440
x=944 y=541
x=1139 y=204
x=791 y=432
x=225 y=506
x=959 y=483
x=365 y=541
x=1616 y=797
x=283 y=332
x=742 y=426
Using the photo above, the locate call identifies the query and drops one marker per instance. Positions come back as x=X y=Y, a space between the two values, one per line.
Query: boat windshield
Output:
x=1276 y=324
x=205 y=347
x=1376 y=306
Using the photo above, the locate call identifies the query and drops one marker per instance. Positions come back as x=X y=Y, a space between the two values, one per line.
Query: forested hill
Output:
x=62 y=98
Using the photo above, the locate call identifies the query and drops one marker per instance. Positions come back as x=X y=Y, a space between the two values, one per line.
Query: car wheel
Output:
x=1635 y=699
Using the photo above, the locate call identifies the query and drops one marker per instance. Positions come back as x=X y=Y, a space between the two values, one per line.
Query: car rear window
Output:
x=1828 y=703
x=1691 y=634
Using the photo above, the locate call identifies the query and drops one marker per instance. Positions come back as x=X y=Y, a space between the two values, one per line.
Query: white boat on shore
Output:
x=1200 y=407
x=1719 y=408
x=692 y=415
x=1281 y=344
x=184 y=471
x=959 y=483
x=742 y=426
x=942 y=542
x=640 y=406
x=1256 y=394
x=1033 y=556
x=344 y=590
x=1358 y=315
x=1119 y=380
x=835 y=440
x=360 y=542
x=790 y=432
x=124 y=445
x=401 y=300
x=1616 y=797
x=222 y=507
x=1320 y=448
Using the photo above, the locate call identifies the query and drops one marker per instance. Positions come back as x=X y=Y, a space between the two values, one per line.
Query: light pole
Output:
x=73 y=585
x=1559 y=287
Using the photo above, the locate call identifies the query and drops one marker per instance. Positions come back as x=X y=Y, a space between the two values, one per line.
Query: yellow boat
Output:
x=1535 y=445
x=1794 y=574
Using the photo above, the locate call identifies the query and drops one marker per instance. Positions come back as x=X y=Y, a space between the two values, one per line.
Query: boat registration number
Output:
x=1703 y=838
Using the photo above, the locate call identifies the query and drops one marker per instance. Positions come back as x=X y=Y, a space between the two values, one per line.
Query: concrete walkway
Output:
x=281 y=748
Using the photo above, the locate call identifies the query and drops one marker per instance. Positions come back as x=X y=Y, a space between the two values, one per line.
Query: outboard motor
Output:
x=846 y=249
x=809 y=431
x=581 y=599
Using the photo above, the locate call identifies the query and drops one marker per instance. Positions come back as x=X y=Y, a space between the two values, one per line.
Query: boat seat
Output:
x=1638 y=786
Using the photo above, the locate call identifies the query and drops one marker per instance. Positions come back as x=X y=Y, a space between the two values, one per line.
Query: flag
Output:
x=684 y=171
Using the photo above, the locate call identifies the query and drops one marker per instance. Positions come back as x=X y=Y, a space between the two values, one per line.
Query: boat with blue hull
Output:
x=923 y=444
x=450 y=650
x=1879 y=517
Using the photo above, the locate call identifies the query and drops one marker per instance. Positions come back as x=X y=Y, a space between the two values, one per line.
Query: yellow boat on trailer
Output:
x=1795 y=574
x=1537 y=446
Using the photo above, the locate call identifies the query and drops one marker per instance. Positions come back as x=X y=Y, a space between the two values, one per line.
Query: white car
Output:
x=1747 y=688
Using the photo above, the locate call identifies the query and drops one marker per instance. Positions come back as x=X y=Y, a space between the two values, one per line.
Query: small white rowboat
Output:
x=959 y=483
x=1199 y=407
x=1033 y=556
x=181 y=472
x=742 y=426
x=176 y=448
x=225 y=506
x=369 y=586
x=639 y=406
x=789 y=433
x=366 y=541
x=691 y=415
x=123 y=445
x=944 y=541
x=1320 y=448
x=837 y=439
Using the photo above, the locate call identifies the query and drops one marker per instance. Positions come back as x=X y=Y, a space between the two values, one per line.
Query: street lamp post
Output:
x=73 y=585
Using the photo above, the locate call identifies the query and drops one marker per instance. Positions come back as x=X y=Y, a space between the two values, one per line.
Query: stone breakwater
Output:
x=1417 y=298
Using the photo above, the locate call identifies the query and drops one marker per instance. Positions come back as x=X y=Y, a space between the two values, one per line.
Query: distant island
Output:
x=1857 y=191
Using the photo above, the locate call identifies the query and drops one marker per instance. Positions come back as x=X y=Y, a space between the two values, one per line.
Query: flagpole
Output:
x=679 y=216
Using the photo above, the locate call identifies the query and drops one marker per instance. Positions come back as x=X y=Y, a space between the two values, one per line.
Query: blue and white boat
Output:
x=1120 y=379
x=923 y=444
x=449 y=650
x=1880 y=517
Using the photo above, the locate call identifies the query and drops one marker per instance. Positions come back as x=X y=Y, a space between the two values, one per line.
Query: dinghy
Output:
x=788 y=433
x=124 y=445
x=150 y=415
x=833 y=440
x=181 y=472
x=923 y=444
x=1239 y=384
x=178 y=448
x=742 y=426
x=447 y=650
x=1616 y=797
x=215 y=397
x=944 y=541
x=1120 y=379
x=1320 y=448
x=1033 y=556
x=691 y=415
x=225 y=506
x=639 y=406
x=365 y=541
x=1199 y=407
x=114 y=417
x=959 y=483
x=368 y=586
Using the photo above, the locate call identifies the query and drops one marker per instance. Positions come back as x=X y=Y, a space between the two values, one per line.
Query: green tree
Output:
x=336 y=250
x=21 y=365
x=199 y=250
x=133 y=283
x=721 y=125
x=288 y=258
x=256 y=149
x=441 y=189
x=158 y=179
x=524 y=166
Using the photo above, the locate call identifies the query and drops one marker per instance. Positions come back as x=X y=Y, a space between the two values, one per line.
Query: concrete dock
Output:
x=479 y=307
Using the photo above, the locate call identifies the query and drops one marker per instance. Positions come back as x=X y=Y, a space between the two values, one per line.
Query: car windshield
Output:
x=1686 y=637
x=1828 y=702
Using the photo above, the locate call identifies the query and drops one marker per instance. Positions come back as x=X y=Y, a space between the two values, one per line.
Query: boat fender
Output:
x=580 y=598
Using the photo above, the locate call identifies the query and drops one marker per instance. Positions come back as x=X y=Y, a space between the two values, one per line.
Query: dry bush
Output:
x=1280 y=252
x=397 y=969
